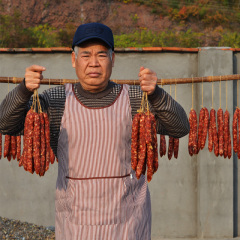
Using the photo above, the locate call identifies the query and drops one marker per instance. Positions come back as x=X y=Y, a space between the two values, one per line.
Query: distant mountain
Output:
x=210 y=20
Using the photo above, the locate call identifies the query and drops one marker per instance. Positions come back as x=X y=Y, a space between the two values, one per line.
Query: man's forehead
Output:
x=93 y=43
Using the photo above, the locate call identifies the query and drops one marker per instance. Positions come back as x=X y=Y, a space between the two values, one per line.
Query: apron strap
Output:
x=97 y=177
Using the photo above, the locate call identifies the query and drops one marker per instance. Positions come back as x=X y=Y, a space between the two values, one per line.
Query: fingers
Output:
x=33 y=77
x=36 y=68
x=148 y=80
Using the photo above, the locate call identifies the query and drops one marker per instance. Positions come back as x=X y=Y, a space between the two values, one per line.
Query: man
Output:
x=97 y=193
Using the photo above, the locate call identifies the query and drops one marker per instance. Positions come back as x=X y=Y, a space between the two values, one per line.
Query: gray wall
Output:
x=192 y=197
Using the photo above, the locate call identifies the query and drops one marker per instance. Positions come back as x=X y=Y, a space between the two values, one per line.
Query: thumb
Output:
x=141 y=69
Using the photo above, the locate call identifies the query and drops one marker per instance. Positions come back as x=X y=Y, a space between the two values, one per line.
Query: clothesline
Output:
x=49 y=81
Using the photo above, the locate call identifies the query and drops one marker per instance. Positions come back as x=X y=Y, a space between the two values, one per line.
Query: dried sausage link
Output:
x=155 y=143
x=163 y=147
x=220 y=131
x=170 y=147
x=7 y=145
x=0 y=145
x=195 y=132
x=235 y=130
x=29 y=163
x=142 y=147
x=135 y=140
x=43 y=146
x=205 y=127
x=18 y=147
x=176 y=147
x=150 y=159
x=215 y=134
x=210 y=131
x=52 y=156
x=148 y=127
x=23 y=158
x=229 y=146
x=14 y=146
x=238 y=123
x=47 y=137
x=190 y=135
x=200 y=127
x=37 y=143
x=226 y=133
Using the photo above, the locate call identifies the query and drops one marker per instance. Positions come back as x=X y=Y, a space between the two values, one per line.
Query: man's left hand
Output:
x=148 y=80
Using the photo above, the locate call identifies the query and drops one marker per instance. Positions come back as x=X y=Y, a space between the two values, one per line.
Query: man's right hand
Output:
x=33 y=76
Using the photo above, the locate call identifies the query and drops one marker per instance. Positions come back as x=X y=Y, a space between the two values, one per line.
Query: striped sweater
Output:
x=171 y=117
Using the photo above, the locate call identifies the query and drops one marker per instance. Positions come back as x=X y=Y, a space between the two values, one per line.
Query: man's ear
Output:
x=113 y=59
x=73 y=59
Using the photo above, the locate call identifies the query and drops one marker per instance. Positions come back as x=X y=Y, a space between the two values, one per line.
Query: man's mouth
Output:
x=94 y=74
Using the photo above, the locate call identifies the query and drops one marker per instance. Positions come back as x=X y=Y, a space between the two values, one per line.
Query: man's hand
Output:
x=148 y=80
x=33 y=76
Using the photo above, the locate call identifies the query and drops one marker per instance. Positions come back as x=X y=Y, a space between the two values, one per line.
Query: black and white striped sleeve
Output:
x=13 y=110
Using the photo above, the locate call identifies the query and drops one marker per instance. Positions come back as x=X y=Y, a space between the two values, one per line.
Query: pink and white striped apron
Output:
x=97 y=193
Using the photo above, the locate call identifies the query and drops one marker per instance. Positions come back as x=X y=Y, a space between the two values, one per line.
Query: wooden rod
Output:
x=169 y=81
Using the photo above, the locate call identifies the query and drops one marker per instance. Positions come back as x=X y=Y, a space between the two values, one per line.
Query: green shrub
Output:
x=230 y=39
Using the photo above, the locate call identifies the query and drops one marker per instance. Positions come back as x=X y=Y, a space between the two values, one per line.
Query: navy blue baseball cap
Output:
x=93 y=31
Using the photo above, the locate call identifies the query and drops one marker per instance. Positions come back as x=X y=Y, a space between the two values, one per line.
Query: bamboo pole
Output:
x=169 y=81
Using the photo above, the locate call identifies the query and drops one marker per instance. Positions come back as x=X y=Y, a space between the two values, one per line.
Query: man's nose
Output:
x=93 y=61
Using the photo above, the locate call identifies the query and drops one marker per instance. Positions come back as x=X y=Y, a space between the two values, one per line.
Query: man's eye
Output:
x=103 y=55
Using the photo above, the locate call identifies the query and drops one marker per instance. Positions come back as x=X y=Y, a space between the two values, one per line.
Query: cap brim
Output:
x=91 y=38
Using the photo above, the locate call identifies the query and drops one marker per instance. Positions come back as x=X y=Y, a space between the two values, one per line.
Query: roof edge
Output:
x=129 y=49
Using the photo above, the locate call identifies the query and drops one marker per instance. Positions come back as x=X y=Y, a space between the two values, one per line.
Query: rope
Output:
x=212 y=95
x=226 y=96
x=175 y=91
x=237 y=92
x=202 y=92
x=192 y=93
x=220 y=95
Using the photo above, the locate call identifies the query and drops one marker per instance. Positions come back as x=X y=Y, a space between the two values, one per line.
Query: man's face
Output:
x=93 y=66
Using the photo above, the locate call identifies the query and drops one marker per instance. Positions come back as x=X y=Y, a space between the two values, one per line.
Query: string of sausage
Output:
x=227 y=137
x=18 y=147
x=235 y=130
x=37 y=152
x=238 y=122
x=176 y=147
x=144 y=150
x=0 y=145
x=173 y=147
x=212 y=133
x=220 y=131
x=135 y=141
x=36 y=143
x=7 y=147
x=170 y=147
x=203 y=128
x=154 y=142
x=193 y=137
x=162 y=147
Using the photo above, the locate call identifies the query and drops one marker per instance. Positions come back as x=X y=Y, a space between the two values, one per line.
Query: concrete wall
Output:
x=192 y=197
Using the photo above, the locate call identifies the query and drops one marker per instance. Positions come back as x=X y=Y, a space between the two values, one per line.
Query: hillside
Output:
x=32 y=23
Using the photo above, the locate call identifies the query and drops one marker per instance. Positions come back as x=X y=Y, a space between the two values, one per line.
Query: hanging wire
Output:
x=202 y=92
x=226 y=96
x=175 y=90
x=237 y=92
x=192 y=93
x=212 y=94
x=220 y=85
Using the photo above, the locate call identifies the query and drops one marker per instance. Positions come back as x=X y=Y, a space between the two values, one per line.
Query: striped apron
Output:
x=97 y=193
